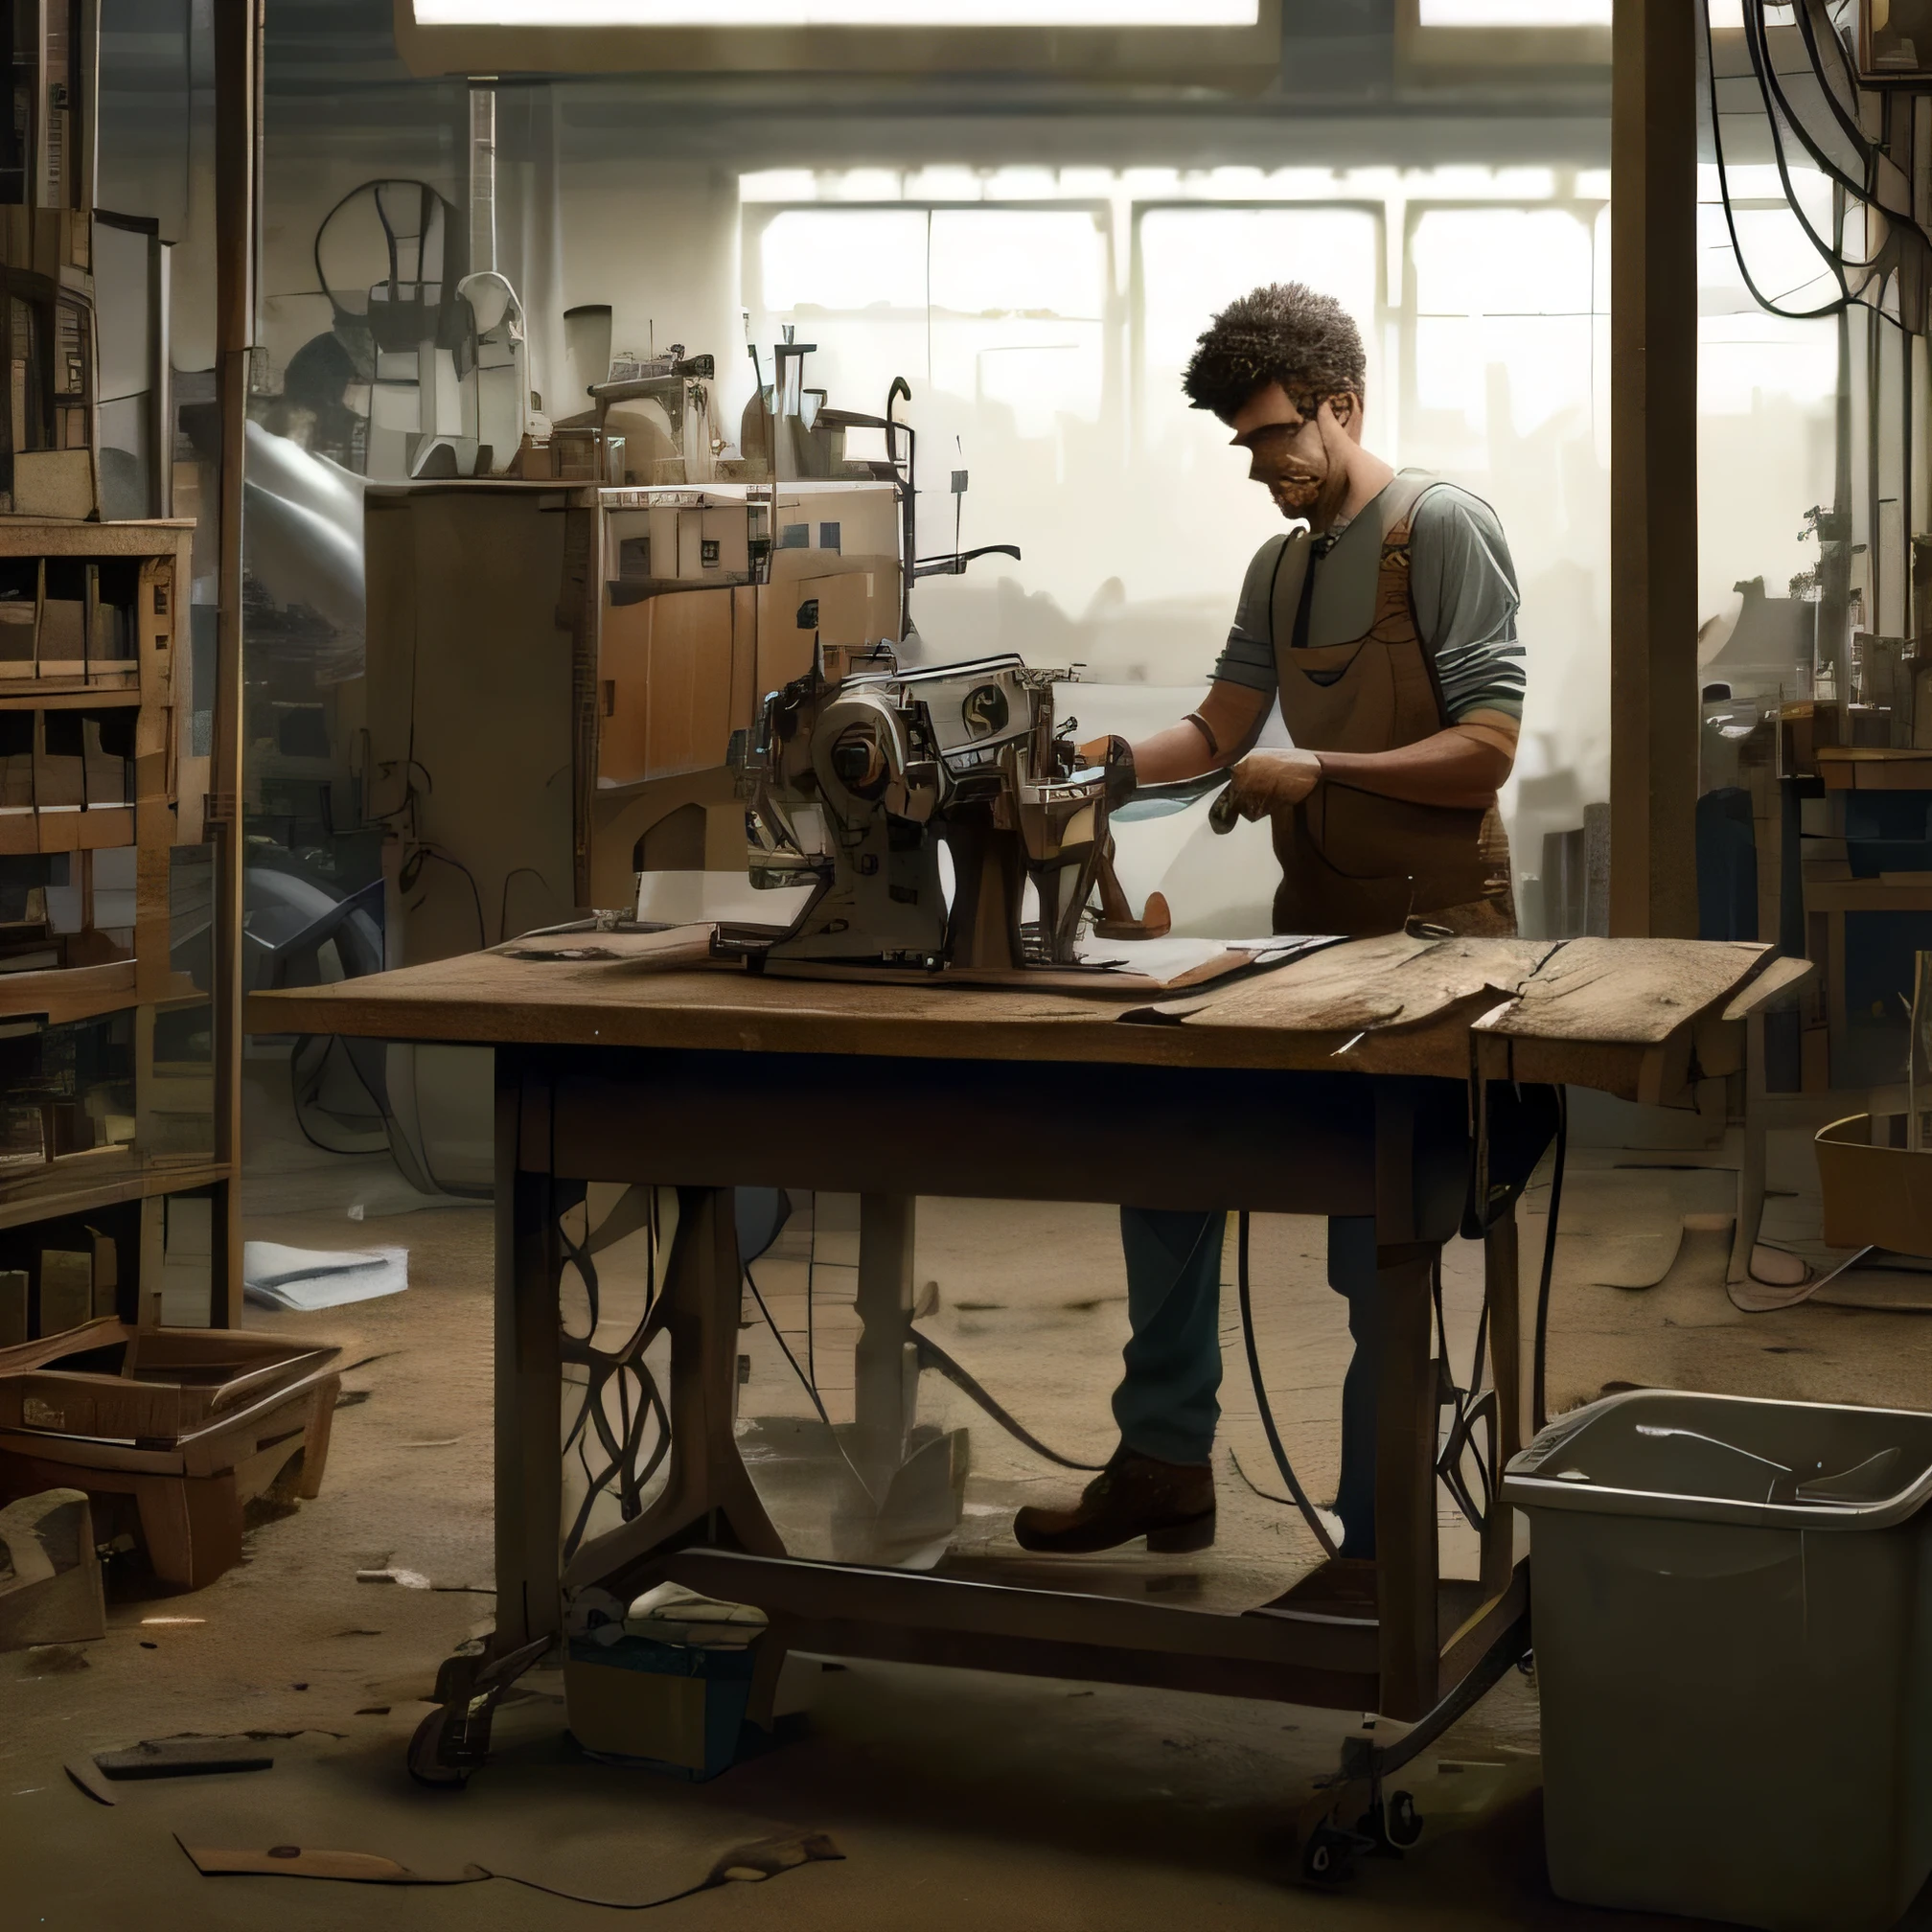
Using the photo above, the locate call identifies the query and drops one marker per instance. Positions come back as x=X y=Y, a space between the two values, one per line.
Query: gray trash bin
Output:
x=1732 y=1605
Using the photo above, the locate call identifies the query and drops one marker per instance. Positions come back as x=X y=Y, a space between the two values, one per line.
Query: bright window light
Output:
x=839 y=12
x=1511 y=13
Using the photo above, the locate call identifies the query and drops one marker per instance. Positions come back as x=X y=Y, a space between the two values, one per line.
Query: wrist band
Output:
x=1206 y=730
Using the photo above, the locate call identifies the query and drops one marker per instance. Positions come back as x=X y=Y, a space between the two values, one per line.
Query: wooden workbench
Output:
x=1337 y=1084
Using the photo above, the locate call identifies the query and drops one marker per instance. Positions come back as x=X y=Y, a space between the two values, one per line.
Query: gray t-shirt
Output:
x=1459 y=576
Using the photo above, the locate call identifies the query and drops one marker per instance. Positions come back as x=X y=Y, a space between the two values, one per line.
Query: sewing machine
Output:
x=855 y=785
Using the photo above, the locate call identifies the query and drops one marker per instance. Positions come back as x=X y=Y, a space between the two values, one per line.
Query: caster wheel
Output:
x=1328 y=1858
x=1403 y=1823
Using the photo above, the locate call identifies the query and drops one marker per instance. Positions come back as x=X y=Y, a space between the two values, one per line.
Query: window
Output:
x=1043 y=318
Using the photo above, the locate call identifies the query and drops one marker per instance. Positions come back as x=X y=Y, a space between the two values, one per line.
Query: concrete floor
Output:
x=957 y=1799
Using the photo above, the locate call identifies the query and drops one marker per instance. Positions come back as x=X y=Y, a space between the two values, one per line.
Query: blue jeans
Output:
x=1167 y=1404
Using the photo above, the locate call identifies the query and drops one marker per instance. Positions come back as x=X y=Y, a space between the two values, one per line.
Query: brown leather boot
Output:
x=1171 y=1503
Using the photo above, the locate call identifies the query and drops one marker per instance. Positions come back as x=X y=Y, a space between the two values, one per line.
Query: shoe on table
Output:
x=1170 y=1503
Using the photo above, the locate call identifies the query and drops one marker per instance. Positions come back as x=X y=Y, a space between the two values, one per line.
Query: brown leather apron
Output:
x=1351 y=860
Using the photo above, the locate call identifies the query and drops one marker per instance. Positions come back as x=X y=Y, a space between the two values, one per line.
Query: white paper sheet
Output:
x=306 y=1278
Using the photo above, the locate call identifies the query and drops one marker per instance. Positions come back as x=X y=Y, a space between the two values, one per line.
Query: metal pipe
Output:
x=237 y=28
x=482 y=172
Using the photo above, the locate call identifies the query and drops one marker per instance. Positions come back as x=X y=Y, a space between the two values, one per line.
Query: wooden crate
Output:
x=193 y=1425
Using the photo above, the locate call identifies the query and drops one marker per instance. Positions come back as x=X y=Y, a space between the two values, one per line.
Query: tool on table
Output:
x=857 y=787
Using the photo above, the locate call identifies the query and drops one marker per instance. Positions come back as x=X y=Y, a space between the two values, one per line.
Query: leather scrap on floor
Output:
x=743 y=1864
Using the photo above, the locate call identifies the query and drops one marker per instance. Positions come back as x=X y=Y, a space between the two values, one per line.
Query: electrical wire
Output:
x=811 y=1388
x=1758 y=295
x=932 y=1356
x=412 y=871
x=1309 y=1513
x=1860 y=283
x=503 y=907
x=1539 y=1411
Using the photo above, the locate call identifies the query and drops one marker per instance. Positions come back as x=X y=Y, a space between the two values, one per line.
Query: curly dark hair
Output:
x=1286 y=333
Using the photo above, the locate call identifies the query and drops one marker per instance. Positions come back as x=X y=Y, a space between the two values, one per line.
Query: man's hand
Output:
x=1267 y=782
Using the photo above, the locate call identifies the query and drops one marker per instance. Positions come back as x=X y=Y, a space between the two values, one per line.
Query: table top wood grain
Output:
x=1619 y=1014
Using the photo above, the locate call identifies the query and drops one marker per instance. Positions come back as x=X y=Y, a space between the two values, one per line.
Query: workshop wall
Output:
x=1037 y=266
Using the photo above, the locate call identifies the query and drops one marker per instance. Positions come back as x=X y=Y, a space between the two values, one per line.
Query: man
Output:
x=1387 y=630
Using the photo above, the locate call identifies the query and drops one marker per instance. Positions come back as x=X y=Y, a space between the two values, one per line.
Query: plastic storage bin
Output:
x=1733 y=1604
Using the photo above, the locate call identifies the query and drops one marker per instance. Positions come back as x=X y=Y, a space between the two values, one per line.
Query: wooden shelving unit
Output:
x=112 y=1033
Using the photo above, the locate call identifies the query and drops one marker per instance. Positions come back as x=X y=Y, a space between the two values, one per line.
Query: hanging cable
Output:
x=784 y=1349
x=932 y=1356
x=1538 y=1413
x=1309 y=1513
x=1861 y=282
x=1750 y=280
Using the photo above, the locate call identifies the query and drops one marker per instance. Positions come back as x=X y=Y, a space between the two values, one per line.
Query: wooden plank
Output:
x=1509 y=1359
x=58 y=1190
x=1778 y=977
x=62 y=994
x=1282 y=1142
x=66 y=694
x=1839 y=896
x=1083 y=1663
x=1405 y=1484
x=906 y=1598
x=1873 y=767
x=1627 y=991
x=236 y=52
x=1377 y=984
x=1653 y=469
x=1587 y=1011
x=529 y=1388
x=39 y=537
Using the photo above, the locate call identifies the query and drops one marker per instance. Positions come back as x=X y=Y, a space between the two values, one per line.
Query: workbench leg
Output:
x=529 y=1391
x=1405 y=1481
x=1751 y=1157
x=707 y=1490
x=886 y=1363
x=1503 y=1295
x=1837 y=1013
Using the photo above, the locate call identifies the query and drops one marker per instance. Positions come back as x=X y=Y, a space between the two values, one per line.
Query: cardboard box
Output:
x=676 y=1707
x=1873 y=1197
x=53 y=483
x=66 y=1289
x=12 y=1306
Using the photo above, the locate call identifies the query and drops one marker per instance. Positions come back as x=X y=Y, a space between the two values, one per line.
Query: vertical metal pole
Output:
x=1653 y=469
x=237 y=25
x=885 y=1372
x=482 y=173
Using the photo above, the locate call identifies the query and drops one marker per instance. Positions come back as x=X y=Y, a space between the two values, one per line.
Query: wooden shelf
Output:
x=79 y=536
x=67 y=694
x=1873 y=767
x=84 y=1196
x=154 y=692
x=1867 y=895
x=55 y=829
x=61 y=994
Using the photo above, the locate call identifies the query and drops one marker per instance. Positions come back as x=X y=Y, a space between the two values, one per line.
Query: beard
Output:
x=1296 y=494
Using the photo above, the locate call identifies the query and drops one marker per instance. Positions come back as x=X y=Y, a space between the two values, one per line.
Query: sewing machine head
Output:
x=855 y=786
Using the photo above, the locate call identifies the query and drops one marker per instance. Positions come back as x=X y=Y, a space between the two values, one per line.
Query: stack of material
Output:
x=667 y=1684
x=188 y=1426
